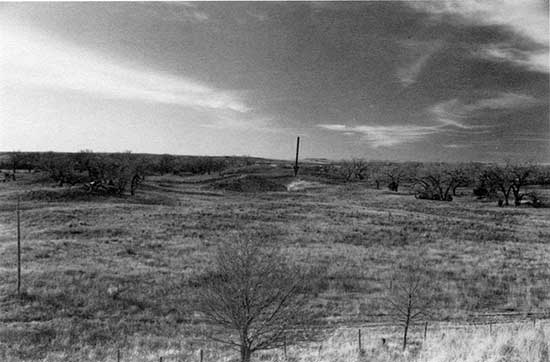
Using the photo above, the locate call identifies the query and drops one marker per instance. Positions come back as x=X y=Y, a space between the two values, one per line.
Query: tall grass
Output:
x=519 y=342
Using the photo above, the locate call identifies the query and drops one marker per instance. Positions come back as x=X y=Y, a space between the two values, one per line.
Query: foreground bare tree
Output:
x=409 y=295
x=254 y=296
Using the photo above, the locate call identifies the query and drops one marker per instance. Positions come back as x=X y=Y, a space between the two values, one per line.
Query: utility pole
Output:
x=297 y=151
x=18 y=247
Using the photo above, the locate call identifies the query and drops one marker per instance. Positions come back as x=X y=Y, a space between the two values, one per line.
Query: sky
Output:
x=428 y=81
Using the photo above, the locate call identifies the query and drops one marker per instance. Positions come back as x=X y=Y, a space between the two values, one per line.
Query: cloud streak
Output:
x=528 y=19
x=384 y=136
x=451 y=116
x=457 y=113
x=35 y=60
x=409 y=72
x=532 y=60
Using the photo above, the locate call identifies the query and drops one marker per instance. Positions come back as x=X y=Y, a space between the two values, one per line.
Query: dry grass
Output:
x=510 y=342
x=155 y=247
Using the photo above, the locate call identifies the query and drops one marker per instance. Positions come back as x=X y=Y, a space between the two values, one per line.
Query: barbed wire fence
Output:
x=488 y=323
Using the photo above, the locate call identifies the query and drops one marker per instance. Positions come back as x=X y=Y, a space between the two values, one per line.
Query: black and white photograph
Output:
x=275 y=181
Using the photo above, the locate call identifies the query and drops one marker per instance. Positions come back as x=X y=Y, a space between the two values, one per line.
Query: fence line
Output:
x=434 y=327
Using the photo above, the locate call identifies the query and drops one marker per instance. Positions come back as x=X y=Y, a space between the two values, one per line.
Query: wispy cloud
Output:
x=533 y=60
x=450 y=117
x=505 y=101
x=384 y=136
x=528 y=19
x=421 y=53
x=457 y=113
x=455 y=145
x=453 y=113
x=177 y=11
x=32 y=59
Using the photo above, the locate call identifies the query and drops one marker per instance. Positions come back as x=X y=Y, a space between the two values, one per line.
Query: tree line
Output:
x=115 y=173
x=440 y=181
x=118 y=173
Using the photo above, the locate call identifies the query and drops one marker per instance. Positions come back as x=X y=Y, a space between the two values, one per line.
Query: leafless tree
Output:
x=16 y=159
x=354 y=169
x=510 y=178
x=461 y=176
x=254 y=297
x=394 y=175
x=440 y=181
x=376 y=173
x=60 y=167
x=521 y=176
x=360 y=168
x=409 y=295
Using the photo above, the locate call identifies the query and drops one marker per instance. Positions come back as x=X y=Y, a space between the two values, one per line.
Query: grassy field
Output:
x=487 y=262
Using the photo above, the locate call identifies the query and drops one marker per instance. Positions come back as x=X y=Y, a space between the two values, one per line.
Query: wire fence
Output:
x=489 y=323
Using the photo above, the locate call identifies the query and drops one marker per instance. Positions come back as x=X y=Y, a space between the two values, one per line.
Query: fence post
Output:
x=200 y=355
x=118 y=355
x=160 y=359
x=296 y=167
x=284 y=346
x=425 y=330
x=491 y=328
x=359 y=339
x=18 y=247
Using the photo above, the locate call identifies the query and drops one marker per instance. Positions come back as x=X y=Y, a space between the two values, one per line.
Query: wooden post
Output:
x=118 y=355
x=359 y=339
x=160 y=359
x=284 y=347
x=491 y=328
x=425 y=330
x=18 y=247
x=200 y=355
x=296 y=162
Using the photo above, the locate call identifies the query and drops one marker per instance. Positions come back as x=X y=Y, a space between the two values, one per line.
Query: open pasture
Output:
x=103 y=273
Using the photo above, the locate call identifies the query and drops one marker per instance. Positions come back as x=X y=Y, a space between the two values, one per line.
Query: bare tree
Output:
x=115 y=172
x=60 y=167
x=254 y=297
x=167 y=164
x=346 y=170
x=409 y=295
x=521 y=175
x=394 y=174
x=16 y=159
x=509 y=179
x=461 y=176
x=354 y=169
x=439 y=181
x=375 y=173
